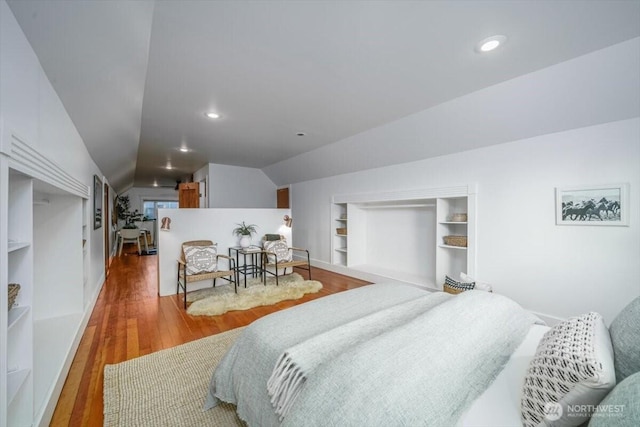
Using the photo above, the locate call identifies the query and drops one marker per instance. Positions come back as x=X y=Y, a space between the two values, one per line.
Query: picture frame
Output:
x=599 y=205
x=97 y=202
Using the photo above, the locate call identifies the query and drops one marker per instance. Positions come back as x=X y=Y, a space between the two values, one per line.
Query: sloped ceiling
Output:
x=136 y=77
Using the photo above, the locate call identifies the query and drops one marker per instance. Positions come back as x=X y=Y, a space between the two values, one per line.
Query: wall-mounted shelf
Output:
x=15 y=380
x=16 y=314
x=14 y=246
x=462 y=248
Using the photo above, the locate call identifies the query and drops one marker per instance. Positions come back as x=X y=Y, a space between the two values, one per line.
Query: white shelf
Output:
x=341 y=219
x=454 y=222
x=15 y=314
x=15 y=379
x=56 y=335
x=341 y=235
x=343 y=250
x=464 y=248
x=14 y=246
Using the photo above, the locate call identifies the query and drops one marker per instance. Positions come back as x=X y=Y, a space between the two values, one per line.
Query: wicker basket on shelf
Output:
x=341 y=230
x=459 y=217
x=14 y=288
x=455 y=241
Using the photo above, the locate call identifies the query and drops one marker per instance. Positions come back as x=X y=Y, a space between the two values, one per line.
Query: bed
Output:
x=384 y=354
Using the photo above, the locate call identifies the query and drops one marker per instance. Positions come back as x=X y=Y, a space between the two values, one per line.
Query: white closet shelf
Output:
x=15 y=379
x=463 y=248
x=15 y=314
x=14 y=246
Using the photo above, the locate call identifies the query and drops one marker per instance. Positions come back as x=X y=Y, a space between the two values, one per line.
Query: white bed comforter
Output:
x=424 y=372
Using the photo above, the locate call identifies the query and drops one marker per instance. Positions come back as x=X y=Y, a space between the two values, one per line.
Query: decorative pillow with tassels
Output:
x=280 y=249
x=201 y=259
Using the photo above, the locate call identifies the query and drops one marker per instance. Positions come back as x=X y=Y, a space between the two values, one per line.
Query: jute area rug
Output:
x=219 y=300
x=168 y=388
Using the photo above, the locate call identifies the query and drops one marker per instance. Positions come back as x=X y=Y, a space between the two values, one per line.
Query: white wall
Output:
x=240 y=187
x=209 y=224
x=556 y=270
x=31 y=108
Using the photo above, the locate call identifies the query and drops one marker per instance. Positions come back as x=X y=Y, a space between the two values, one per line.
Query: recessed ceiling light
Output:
x=212 y=115
x=490 y=43
x=168 y=167
x=184 y=149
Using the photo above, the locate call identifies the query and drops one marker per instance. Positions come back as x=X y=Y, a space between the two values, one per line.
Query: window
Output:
x=150 y=207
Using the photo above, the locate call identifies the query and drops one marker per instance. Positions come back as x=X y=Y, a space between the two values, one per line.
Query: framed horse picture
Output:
x=593 y=205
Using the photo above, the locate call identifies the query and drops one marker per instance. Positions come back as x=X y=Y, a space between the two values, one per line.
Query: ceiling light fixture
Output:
x=168 y=167
x=184 y=149
x=490 y=43
x=212 y=115
x=301 y=134
x=155 y=183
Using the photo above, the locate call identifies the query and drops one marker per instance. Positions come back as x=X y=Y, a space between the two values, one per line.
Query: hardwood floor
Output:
x=130 y=320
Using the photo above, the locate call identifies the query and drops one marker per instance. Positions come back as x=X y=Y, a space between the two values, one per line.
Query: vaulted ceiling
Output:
x=137 y=77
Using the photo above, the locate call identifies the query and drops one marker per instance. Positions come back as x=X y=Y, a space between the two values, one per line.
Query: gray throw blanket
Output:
x=425 y=372
x=298 y=362
x=241 y=377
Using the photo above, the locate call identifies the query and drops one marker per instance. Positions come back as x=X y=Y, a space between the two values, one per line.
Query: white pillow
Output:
x=201 y=259
x=571 y=372
x=480 y=286
x=280 y=249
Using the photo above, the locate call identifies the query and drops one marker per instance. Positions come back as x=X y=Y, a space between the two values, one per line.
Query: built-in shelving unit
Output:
x=339 y=219
x=399 y=235
x=41 y=224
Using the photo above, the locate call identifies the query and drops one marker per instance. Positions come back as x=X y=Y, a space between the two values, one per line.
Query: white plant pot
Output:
x=245 y=241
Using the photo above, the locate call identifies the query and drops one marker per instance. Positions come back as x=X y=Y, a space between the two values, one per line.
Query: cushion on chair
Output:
x=201 y=259
x=625 y=337
x=570 y=373
x=280 y=249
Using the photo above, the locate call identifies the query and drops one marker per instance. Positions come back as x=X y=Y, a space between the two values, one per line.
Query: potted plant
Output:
x=245 y=231
x=124 y=212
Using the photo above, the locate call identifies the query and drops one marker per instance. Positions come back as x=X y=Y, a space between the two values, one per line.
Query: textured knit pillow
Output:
x=621 y=407
x=570 y=373
x=280 y=249
x=201 y=259
x=625 y=337
x=454 y=287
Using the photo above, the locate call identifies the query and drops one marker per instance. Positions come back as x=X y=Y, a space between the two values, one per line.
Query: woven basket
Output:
x=14 y=288
x=342 y=230
x=455 y=241
x=459 y=217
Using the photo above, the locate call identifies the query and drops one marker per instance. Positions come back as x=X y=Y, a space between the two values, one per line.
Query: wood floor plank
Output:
x=129 y=320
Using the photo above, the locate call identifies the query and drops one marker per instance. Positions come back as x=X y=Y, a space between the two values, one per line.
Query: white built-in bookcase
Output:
x=43 y=214
x=399 y=235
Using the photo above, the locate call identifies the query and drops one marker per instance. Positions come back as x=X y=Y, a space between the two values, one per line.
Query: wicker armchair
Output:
x=282 y=258
x=186 y=267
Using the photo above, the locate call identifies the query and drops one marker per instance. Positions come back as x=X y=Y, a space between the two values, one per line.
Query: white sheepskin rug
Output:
x=219 y=300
